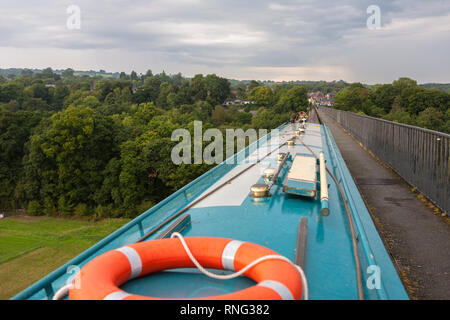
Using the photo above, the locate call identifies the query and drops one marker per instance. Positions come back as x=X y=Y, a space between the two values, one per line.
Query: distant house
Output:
x=49 y=85
x=230 y=102
x=330 y=96
x=318 y=98
x=319 y=94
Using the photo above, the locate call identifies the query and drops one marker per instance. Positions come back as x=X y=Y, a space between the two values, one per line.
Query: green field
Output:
x=32 y=247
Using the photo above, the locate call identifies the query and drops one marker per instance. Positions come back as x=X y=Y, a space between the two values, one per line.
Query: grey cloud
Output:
x=211 y=34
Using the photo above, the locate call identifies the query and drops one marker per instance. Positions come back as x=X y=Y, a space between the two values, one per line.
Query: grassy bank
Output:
x=32 y=247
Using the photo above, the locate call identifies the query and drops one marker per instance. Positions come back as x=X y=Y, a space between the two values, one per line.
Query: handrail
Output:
x=443 y=134
x=420 y=156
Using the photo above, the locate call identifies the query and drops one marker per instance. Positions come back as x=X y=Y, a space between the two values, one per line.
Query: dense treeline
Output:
x=101 y=147
x=440 y=86
x=323 y=86
x=402 y=101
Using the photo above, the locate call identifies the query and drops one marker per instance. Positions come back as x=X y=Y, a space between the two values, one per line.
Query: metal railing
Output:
x=420 y=156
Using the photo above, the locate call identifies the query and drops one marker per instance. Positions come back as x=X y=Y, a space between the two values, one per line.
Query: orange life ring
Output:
x=101 y=278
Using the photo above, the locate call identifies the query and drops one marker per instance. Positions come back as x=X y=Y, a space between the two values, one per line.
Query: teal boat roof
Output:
x=231 y=212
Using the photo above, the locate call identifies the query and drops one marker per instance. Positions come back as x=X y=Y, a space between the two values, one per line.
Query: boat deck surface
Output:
x=231 y=212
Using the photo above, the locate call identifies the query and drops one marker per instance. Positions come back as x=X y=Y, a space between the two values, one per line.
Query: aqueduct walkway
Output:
x=417 y=238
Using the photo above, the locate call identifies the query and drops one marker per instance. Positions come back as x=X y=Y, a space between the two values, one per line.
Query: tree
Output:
x=149 y=73
x=164 y=77
x=177 y=79
x=106 y=86
x=400 y=115
x=47 y=73
x=198 y=88
x=268 y=119
x=418 y=100
x=34 y=208
x=91 y=102
x=403 y=83
x=244 y=118
x=184 y=94
x=261 y=96
x=11 y=91
x=219 y=115
x=446 y=126
x=352 y=98
x=133 y=75
x=164 y=90
x=295 y=99
x=278 y=91
x=68 y=73
x=15 y=130
x=38 y=90
x=145 y=166
x=218 y=89
x=27 y=73
x=149 y=90
x=61 y=92
x=431 y=118
x=123 y=76
x=203 y=110
x=253 y=84
x=68 y=155
x=241 y=90
x=383 y=96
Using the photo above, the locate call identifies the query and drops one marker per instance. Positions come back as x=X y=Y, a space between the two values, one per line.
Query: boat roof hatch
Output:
x=302 y=177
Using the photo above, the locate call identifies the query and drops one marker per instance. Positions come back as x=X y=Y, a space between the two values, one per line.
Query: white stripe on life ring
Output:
x=117 y=295
x=279 y=288
x=228 y=254
x=134 y=259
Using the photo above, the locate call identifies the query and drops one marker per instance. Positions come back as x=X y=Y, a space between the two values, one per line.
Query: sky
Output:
x=262 y=40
